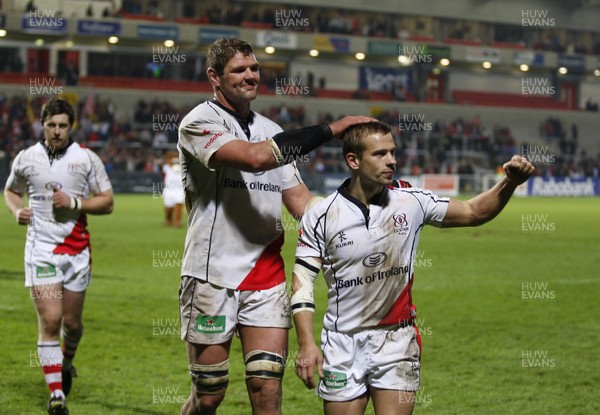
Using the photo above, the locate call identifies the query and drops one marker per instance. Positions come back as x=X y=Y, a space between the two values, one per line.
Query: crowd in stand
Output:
x=137 y=142
x=346 y=22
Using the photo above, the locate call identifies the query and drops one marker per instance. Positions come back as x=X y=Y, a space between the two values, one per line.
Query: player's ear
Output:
x=213 y=77
x=352 y=161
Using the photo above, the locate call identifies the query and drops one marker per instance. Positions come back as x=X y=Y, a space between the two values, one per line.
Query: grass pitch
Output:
x=509 y=314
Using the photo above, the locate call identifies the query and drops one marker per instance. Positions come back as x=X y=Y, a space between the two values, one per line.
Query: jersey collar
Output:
x=56 y=154
x=244 y=123
x=380 y=199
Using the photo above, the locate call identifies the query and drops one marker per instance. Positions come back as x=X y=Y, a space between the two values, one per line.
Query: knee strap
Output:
x=210 y=379
x=263 y=364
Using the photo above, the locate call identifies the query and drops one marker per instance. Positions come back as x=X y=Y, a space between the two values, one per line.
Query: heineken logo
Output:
x=210 y=324
x=335 y=380
x=46 y=271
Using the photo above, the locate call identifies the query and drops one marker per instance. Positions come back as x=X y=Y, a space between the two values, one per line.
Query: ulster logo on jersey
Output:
x=400 y=224
x=72 y=168
x=343 y=240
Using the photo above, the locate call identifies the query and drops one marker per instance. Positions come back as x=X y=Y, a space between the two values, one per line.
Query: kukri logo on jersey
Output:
x=343 y=240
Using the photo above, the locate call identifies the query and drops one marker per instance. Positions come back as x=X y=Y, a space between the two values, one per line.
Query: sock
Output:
x=69 y=346
x=51 y=361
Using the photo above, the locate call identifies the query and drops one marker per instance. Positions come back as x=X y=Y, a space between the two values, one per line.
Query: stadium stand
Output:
x=460 y=128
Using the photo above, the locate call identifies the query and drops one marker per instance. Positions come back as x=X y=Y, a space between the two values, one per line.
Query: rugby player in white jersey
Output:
x=365 y=237
x=238 y=169
x=58 y=176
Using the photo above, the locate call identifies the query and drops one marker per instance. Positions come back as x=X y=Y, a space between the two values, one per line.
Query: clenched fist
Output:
x=23 y=216
x=518 y=170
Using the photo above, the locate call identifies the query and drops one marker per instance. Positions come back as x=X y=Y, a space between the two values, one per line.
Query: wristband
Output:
x=296 y=143
x=75 y=203
x=17 y=213
x=276 y=152
x=305 y=271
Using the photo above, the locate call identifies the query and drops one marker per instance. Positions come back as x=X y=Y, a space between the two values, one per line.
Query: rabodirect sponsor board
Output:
x=98 y=28
x=563 y=186
x=157 y=32
x=210 y=35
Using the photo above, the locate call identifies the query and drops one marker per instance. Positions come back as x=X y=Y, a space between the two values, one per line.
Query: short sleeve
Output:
x=98 y=180
x=310 y=239
x=201 y=134
x=16 y=182
x=434 y=207
x=290 y=176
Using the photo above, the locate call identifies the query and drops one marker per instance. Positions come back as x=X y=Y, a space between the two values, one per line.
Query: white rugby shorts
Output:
x=380 y=358
x=210 y=314
x=73 y=271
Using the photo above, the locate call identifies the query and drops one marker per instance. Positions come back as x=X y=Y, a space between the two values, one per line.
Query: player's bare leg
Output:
x=72 y=330
x=392 y=402
x=49 y=307
x=168 y=216
x=48 y=300
x=354 y=407
x=72 y=314
x=176 y=221
x=265 y=392
x=207 y=357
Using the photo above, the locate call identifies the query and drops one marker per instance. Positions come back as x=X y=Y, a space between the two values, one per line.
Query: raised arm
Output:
x=281 y=149
x=487 y=205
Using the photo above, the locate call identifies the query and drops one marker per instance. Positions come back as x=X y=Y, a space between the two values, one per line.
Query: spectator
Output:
x=30 y=7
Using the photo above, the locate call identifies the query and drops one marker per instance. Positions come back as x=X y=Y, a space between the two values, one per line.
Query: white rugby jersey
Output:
x=368 y=253
x=76 y=171
x=235 y=234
